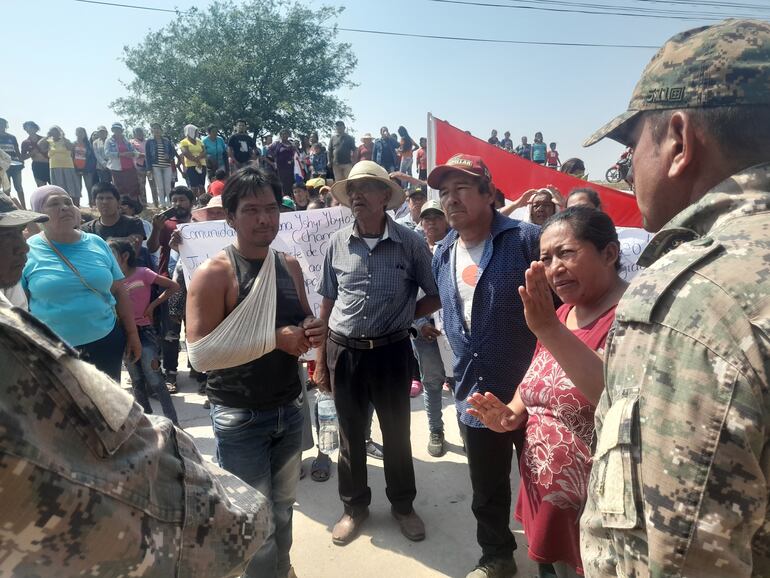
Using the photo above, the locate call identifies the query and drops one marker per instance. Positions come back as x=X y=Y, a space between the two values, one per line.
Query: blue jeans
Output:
x=146 y=373
x=432 y=377
x=264 y=449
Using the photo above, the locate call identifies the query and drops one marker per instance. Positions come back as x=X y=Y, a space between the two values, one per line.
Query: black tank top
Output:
x=273 y=379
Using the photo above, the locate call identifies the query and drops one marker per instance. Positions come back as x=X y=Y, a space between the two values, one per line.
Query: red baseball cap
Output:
x=468 y=164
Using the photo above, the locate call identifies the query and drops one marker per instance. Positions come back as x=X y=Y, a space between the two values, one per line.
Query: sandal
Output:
x=321 y=469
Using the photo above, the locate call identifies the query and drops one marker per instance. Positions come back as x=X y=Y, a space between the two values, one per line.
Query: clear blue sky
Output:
x=63 y=66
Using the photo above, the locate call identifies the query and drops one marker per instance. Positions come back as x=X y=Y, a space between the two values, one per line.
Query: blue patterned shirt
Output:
x=496 y=354
x=375 y=290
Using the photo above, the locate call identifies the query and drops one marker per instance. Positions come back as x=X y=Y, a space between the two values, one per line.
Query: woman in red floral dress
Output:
x=579 y=260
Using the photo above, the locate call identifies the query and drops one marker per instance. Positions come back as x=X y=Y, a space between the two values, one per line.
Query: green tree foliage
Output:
x=274 y=63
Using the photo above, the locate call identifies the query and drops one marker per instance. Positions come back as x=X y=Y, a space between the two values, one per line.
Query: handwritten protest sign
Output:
x=632 y=243
x=302 y=234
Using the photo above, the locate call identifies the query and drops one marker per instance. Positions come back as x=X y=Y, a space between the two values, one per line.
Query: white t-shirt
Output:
x=467 y=261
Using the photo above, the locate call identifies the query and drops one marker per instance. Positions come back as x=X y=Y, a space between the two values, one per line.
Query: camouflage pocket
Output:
x=616 y=480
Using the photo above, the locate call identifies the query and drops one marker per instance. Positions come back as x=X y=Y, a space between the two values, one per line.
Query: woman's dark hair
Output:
x=592 y=195
x=135 y=204
x=220 y=175
x=102 y=187
x=30 y=124
x=408 y=142
x=122 y=245
x=182 y=190
x=247 y=182
x=573 y=166
x=588 y=225
x=211 y=127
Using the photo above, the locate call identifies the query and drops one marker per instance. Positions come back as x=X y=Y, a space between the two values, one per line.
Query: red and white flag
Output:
x=513 y=175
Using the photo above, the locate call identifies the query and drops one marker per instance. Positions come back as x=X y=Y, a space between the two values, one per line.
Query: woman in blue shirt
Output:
x=74 y=285
x=216 y=152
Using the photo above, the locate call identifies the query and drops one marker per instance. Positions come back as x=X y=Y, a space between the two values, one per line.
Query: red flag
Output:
x=513 y=175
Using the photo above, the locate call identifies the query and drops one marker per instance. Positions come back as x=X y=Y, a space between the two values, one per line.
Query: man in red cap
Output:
x=478 y=267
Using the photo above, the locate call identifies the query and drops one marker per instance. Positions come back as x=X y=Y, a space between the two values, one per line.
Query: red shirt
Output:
x=422 y=160
x=216 y=187
x=365 y=154
x=552 y=158
x=164 y=239
x=126 y=163
x=556 y=461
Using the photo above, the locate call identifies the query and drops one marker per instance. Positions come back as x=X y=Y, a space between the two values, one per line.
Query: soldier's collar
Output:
x=744 y=193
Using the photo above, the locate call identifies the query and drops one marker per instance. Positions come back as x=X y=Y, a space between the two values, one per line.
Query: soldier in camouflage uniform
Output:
x=679 y=485
x=91 y=486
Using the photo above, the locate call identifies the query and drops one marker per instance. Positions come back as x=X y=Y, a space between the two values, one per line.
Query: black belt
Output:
x=355 y=343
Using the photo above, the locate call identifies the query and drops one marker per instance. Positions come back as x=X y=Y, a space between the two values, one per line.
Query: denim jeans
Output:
x=146 y=373
x=264 y=449
x=162 y=178
x=406 y=165
x=432 y=377
x=169 y=335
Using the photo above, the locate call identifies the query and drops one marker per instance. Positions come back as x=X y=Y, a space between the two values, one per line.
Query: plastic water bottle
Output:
x=328 y=433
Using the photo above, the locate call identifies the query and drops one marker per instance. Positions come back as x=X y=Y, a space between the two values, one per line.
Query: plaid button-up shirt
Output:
x=375 y=290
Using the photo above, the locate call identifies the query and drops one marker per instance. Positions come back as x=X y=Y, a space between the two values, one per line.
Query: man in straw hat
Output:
x=679 y=485
x=372 y=271
x=90 y=484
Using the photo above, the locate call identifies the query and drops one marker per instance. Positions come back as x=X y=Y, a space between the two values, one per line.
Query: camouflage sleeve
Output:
x=92 y=486
x=597 y=549
x=679 y=483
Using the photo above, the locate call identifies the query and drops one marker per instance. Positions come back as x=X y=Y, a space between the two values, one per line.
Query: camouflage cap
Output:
x=727 y=64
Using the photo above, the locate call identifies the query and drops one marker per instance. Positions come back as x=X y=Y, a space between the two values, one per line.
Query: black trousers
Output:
x=382 y=377
x=489 y=460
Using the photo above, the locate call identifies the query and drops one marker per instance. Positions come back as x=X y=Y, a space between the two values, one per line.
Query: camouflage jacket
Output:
x=679 y=485
x=91 y=486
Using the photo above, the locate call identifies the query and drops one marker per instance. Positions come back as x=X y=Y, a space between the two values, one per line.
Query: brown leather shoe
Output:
x=411 y=524
x=348 y=527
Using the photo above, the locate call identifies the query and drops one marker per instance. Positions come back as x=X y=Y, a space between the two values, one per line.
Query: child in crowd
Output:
x=301 y=196
x=552 y=157
x=138 y=282
x=318 y=160
x=539 y=149
x=218 y=184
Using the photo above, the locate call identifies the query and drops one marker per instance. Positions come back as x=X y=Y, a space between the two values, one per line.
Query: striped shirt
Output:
x=375 y=290
x=162 y=156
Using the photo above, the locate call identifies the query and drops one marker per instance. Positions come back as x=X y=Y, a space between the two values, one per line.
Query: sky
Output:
x=65 y=66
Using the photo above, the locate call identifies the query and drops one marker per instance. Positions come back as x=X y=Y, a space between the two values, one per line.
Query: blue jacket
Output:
x=496 y=354
x=381 y=144
x=151 y=152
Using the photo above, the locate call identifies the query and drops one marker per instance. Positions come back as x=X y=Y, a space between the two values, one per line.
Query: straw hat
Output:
x=368 y=170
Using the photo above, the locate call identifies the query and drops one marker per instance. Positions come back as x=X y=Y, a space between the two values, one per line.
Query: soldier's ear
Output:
x=679 y=144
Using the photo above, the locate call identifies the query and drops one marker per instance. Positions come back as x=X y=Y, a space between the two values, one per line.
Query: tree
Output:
x=274 y=63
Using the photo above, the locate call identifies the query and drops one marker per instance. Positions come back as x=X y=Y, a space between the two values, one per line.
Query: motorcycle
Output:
x=619 y=171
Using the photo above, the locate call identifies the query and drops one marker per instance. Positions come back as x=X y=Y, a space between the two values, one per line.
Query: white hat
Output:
x=368 y=170
x=432 y=205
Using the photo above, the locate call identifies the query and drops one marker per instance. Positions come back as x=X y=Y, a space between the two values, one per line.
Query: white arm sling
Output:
x=247 y=333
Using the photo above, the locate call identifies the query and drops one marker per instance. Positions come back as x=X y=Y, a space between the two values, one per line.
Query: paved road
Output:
x=443 y=501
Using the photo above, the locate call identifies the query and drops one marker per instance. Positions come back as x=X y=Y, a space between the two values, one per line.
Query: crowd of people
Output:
x=537 y=151
x=638 y=414
x=160 y=162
